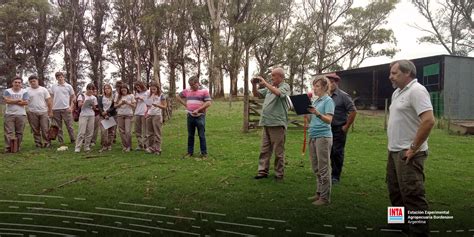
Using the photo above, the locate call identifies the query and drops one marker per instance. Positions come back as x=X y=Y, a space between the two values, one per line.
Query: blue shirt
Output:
x=317 y=127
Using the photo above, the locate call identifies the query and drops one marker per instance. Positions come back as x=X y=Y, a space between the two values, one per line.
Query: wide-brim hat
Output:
x=333 y=76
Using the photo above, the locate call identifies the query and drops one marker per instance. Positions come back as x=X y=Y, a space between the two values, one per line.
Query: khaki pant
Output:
x=153 y=135
x=273 y=139
x=39 y=123
x=140 y=130
x=97 y=119
x=106 y=135
x=406 y=187
x=86 y=129
x=58 y=116
x=13 y=126
x=320 y=153
x=124 y=123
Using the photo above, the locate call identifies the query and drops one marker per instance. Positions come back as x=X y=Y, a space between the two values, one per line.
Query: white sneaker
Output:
x=149 y=150
x=87 y=149
x=77 y=150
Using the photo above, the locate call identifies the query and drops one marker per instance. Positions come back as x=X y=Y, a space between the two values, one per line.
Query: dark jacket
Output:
x=110 y=112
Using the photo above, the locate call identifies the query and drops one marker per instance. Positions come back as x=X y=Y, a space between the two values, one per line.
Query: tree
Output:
x=14 y=15
x=465 y=7
x=299 y=47
x=448 y=27
x=216 y=83
x=269 y=50
x=40 y=37
x=176 y=36
x=72 y=13
x=121 y=54
x=94 y=38
x=322 y=17
x=360 y=32
x=153 y=29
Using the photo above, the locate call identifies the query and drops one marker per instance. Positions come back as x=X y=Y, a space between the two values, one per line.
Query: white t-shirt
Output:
x=106 y=102
x=15 y=109
x=61 y=95
x=38 y=97
x=88 y=106
x=155 y=99
x=404 y=120
x=125 y=109
x=140 y=109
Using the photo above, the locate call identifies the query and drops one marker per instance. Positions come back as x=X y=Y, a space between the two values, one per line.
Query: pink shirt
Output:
x=195 y=99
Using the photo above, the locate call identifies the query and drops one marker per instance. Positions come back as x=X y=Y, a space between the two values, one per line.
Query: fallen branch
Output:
x=77 y=179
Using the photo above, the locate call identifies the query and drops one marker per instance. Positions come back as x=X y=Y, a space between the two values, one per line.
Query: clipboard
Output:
x=108 y=123
x=301 y=103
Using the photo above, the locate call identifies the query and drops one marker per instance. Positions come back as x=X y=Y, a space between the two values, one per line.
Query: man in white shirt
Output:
x=16 y=98
x=410 y=122
x=39 y=109
x=63 y=102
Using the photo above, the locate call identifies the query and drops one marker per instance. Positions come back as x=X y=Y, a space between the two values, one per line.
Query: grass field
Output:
x=45 y=192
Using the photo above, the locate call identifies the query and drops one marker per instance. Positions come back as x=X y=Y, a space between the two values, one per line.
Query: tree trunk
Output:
x=156 y=63
x=183 y=73
x=233 y=73
x=245 y=127
x=172 y=81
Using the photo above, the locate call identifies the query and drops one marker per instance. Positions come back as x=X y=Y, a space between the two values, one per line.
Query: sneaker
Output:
x=149 y=150
x=335 y=181
x=138 y=148
x=88 y=149
x=77 y=150
x=260 y=176
x=109 y=148
x=203 y=156
x=102 y=149
x=187 y=155
x=157 y=153
x=321 y=202
x=314 y=198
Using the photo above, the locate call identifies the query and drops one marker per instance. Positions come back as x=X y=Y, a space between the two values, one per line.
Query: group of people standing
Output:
x=331 y=114
x=105 y=113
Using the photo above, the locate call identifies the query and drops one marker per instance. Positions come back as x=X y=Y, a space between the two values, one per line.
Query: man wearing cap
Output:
x=274 y=120
x=344 y=115
x=410 y=122
x=196 y=99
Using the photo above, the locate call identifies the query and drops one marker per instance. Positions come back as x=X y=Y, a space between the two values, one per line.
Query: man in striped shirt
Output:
x=196 y=100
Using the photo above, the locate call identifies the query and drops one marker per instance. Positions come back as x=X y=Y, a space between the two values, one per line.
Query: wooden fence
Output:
x=255 y=109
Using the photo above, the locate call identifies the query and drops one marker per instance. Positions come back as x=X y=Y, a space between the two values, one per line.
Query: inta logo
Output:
x=396 y=215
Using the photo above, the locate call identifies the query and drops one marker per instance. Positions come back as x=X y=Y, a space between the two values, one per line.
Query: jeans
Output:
x=200 y=124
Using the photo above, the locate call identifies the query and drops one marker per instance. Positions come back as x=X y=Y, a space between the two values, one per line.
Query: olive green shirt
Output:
x=275 y=108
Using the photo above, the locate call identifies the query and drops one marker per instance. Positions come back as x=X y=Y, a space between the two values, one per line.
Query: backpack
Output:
x=76 y=112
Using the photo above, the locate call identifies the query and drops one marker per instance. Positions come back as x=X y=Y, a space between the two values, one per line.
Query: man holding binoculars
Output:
x=274 y=120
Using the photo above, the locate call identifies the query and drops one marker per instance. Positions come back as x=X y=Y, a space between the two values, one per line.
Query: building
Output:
x=449 y=80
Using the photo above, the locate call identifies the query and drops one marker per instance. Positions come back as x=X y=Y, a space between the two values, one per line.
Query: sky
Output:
x=399 y=21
